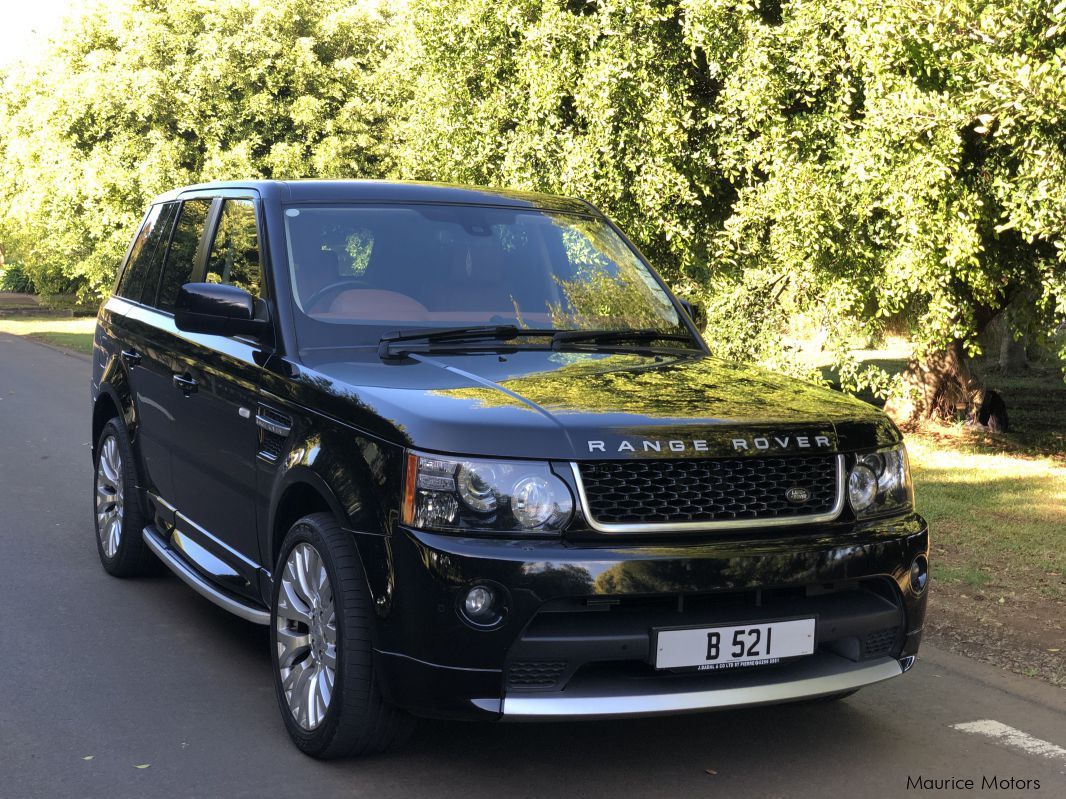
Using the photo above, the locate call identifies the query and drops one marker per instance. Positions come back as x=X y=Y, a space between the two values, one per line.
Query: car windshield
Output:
x=361 y=270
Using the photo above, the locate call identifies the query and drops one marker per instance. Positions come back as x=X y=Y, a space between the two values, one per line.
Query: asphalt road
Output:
x=146 y=673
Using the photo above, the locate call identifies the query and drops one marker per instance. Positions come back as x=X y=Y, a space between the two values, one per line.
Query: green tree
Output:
x=133 y=101
x=897 y=159
x=852 y=162
x=594 y=99
x=858 y=162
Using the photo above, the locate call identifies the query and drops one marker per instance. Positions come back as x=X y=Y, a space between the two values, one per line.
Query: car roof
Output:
x=386 y=191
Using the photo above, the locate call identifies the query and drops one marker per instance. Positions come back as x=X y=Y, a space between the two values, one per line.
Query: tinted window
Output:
x=139 y=280
x=234 y=257
x=182 y=256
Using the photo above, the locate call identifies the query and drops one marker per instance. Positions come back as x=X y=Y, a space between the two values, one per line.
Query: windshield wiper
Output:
x=393 y=345
x=396 y=345
x=644 y=335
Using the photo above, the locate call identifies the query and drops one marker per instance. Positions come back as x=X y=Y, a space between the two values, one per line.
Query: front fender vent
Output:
x=274 y=429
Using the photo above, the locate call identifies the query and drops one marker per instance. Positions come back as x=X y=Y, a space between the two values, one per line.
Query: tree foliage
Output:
x=137 y=99
x=851 y=162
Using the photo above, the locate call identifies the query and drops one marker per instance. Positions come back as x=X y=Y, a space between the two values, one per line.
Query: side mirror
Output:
x=694 y=312
x=216 y=308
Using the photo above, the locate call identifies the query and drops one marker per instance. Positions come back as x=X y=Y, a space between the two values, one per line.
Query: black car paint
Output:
x=351 y=416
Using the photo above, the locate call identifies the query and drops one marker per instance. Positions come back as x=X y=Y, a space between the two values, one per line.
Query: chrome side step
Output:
x=814 y=676
x=198 y=584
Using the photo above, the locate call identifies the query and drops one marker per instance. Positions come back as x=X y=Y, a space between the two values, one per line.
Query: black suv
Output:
x=468 y=457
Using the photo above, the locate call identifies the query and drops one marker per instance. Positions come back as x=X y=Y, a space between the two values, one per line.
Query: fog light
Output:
x=478 y=604
x=919 y=574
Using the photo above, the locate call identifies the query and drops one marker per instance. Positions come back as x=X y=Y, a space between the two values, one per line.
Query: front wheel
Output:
x=119 y=518
x=320 y=631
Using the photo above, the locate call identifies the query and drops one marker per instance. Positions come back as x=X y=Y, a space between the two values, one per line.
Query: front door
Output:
x=214 y=454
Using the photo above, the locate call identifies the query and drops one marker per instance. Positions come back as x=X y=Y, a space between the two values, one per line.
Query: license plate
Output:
x=709 y=648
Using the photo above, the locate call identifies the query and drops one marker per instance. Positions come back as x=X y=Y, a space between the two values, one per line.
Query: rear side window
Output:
x=182 y=256
x=139 y=280
x=234 y=257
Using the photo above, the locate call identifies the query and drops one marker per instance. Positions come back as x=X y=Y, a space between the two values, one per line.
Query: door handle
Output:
x=186 y=384
x=131 y=357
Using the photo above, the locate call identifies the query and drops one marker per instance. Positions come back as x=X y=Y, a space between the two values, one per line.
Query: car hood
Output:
x=543 y=404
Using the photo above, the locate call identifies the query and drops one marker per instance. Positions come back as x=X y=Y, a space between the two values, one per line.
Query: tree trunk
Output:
x=941 y=387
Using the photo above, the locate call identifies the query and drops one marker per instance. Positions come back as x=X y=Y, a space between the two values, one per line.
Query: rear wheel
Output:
x=117 y=512
x=320 y=630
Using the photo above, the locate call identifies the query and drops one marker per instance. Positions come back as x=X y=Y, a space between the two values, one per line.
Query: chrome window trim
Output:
x=738 y=524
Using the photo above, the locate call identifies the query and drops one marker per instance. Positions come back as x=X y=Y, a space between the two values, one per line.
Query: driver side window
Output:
x=234 y=257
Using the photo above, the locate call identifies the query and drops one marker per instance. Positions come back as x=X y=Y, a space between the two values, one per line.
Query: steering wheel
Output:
x=333 y=289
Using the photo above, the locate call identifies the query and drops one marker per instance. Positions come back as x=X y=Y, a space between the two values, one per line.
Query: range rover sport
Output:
x=467 y=457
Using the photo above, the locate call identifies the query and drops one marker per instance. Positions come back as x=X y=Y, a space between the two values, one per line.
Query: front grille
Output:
x=708 y=490
x=535 y=673
x=879 y=643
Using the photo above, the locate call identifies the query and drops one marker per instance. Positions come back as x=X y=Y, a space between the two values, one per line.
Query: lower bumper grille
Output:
x=880 y=642
x=535 y=673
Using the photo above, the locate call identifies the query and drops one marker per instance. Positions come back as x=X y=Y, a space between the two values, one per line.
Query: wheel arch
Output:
x=302 y=492
x=334 y=476
x=114 y=399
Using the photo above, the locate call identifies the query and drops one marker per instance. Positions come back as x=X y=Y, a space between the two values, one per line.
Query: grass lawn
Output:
x=997 y=502
x=74 y=334
x=996 y=506
x=998 y=520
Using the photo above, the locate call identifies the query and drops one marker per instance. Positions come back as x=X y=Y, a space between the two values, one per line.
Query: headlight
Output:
x=488 y=496
x=880 y=483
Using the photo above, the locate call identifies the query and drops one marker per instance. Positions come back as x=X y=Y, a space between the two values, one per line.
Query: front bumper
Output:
x=821 y=674
x=576 y=639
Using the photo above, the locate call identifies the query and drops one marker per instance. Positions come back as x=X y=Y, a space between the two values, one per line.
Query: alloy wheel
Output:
x=306 y=630
x=109 y=497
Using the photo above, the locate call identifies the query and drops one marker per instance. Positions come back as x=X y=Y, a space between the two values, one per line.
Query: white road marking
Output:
x=1012 y=737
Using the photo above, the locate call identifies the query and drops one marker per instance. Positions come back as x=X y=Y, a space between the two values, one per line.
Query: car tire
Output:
x=117 y=512
x=320 y=633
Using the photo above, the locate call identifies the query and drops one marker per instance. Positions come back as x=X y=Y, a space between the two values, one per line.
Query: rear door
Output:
x=140 y=342
x=157 y=348
x=216 y=441
x=110 y=335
